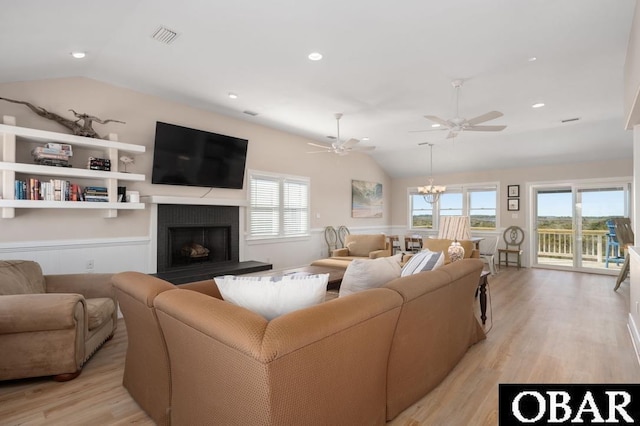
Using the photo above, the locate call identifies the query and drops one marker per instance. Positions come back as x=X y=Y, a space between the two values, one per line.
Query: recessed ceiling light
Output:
x=365 y=138
x=78 y=55
x=435 y=125
x=315 y=56
x=233 y=95
x=538 y=105
x=532 y=59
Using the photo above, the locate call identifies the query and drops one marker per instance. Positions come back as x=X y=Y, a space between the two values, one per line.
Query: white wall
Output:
x=269 y=150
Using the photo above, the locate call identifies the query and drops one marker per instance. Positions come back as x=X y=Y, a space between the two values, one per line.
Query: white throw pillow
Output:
x=362 y=274
x=426 y=260
x=273 y=296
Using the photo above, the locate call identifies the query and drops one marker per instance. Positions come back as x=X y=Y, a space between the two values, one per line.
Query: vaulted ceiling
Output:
x=385 y=65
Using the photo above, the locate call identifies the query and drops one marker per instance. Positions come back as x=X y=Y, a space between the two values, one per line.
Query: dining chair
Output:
x=513 y=238
x=394 y=243
x=413 y=243
x=488 y=247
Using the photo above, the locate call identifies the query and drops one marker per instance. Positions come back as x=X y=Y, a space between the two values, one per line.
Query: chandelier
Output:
x=431 y=192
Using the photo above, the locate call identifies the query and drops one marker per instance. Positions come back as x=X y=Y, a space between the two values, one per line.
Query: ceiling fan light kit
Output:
x=430 y=192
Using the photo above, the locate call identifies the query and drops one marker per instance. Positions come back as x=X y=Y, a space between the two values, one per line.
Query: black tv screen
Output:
x=184 y=156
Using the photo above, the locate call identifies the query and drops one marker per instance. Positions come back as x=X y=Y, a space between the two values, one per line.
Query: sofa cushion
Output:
x=21 y=277
x=438 y=244
x=99 y=310
x=362 y=274
x=361 y=244
x=426 y=260
x=273 y=296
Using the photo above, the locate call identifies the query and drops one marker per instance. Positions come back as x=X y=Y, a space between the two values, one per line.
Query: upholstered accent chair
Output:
x=357 y=246
x=364 y=245
x=50 y=325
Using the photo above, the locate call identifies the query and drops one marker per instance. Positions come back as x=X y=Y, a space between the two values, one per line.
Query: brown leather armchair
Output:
x=50 y=325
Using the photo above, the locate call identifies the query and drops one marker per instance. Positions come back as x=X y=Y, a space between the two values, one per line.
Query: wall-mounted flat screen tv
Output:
x=184 y=156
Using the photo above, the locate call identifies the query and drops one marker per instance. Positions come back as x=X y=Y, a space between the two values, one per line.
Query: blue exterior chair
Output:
x=612 y=253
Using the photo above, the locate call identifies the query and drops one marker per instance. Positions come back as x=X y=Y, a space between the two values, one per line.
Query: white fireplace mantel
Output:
x=194 y=201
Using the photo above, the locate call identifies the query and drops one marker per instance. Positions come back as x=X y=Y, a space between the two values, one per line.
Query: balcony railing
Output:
x=560 y=244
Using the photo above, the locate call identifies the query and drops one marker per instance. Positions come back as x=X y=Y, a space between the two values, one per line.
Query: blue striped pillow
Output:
x=425 y=260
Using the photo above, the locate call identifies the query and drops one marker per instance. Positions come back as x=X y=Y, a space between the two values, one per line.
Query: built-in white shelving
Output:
x=11 y=134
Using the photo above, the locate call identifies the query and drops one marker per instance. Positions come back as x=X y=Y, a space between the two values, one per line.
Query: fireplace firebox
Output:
x=188 y=244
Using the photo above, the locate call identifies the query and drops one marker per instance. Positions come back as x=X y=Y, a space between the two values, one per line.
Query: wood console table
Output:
x=482 y=289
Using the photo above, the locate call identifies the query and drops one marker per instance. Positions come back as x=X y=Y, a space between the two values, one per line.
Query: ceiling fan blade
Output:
x=438 y=120
x=362 y=148
x=319 y=145
x=316 y=152
x=350 y=143
x=492 y=115
x=485 y=128
x=428 y=130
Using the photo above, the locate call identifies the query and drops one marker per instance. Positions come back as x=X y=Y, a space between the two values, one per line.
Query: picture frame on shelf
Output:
x=513 y=204
x=513 y=191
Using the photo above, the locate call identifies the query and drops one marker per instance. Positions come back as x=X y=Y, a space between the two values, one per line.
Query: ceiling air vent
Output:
x=251 y=113
x=569 y=120
x=164 y=35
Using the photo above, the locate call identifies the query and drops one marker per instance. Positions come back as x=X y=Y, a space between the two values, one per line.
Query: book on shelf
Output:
x=51 y=190
x=95 y=194
x=61 y=147
x=52 y=155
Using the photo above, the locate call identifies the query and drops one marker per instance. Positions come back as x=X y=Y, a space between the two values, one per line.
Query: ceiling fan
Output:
x=338 y=147
x=459 y=124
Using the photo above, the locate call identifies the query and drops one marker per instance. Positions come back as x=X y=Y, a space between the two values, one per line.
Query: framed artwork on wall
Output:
x=366 y=199
x=513 y=204
x=513 y=190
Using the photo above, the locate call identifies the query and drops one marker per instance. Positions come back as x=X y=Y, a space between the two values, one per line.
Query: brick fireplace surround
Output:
x=178 y=222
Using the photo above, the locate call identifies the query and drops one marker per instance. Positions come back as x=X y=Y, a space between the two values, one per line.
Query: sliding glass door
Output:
x=571 y=225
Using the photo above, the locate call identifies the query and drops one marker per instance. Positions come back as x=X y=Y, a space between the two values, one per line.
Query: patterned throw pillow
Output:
x=273 y=296
x=425 y=260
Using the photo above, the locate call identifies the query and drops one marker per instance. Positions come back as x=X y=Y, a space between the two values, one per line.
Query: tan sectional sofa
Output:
x=359 y=359
x=146 y=368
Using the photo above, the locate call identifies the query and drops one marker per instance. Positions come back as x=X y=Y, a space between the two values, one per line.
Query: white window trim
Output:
x=464 y=189
x=281 y=177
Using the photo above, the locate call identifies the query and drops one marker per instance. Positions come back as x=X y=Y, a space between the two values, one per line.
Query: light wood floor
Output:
x=548 y=327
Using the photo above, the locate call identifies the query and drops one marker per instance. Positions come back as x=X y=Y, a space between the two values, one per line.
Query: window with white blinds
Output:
x=278 y=206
